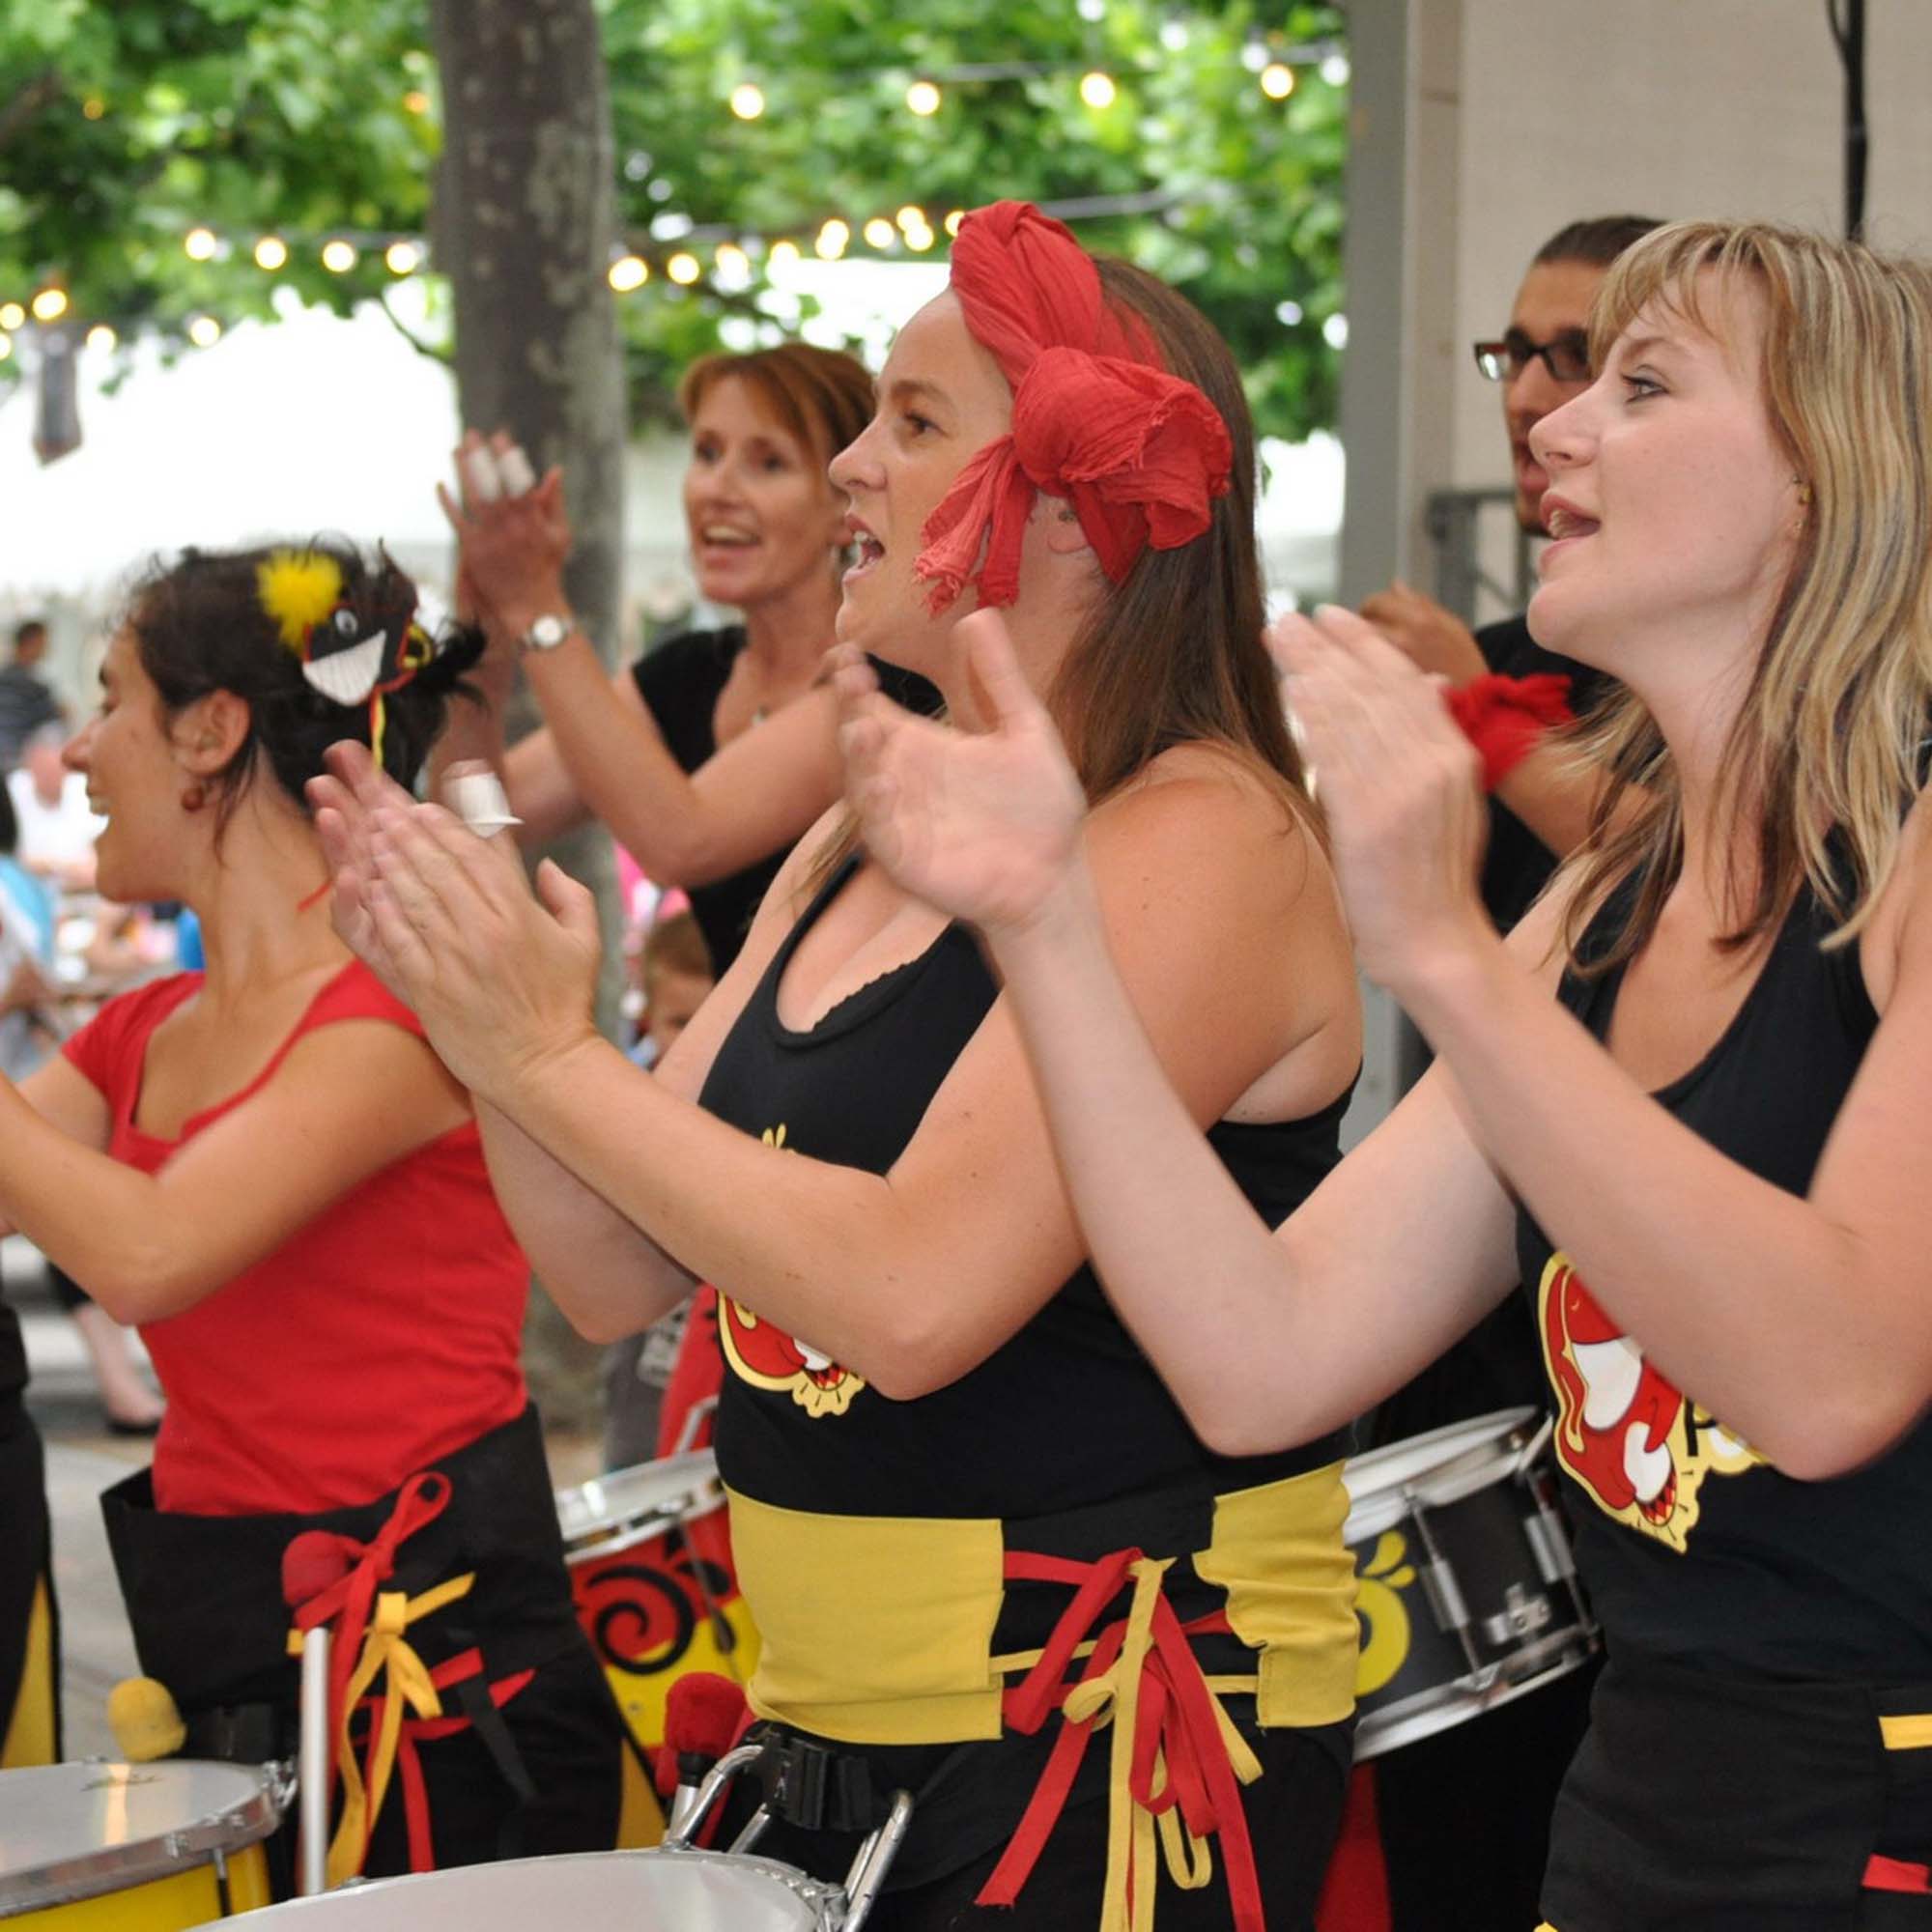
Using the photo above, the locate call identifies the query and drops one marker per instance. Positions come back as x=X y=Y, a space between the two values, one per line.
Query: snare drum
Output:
x=1466 y=1590
x=649 y=1552
x=134 y=1847
x=640 y=1892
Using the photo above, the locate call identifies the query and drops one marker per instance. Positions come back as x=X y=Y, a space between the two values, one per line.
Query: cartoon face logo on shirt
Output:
x=1640 y=1450
x=768 y=1358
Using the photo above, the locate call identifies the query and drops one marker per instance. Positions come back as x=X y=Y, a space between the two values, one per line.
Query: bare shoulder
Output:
x=1204 y=799
x=1222 y=837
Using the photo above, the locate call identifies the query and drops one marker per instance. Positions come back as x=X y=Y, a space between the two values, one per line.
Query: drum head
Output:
x=663 y=1489
x=1439 y=1467
x=75 y=1830
x=640 y=1891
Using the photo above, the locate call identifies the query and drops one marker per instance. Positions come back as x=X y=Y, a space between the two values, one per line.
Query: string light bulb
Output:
x=732 y=260
x=1277 y=80
x=1097 y=89
x=50 y=305
x=204 y=331
x=880 y=233
x=909 y=219
x=13 y=315
x=953 y=218
x=101 y=337
x=338 y=256
x=628 y=273
x=199 y=245
x=5 y=345
x=416 y=101
x=748 y=100
x=781 y=254
x=683 y=268
x=923 y=97
x=920 y=238
x=401 y=258
x=271 y=253
x=833 y=239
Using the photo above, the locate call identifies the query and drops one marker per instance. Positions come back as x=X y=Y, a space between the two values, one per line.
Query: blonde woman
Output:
x=1683 y=1101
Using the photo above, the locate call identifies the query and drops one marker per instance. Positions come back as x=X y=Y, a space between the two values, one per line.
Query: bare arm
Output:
x=1801 y=1322
x=1278 y=1339
x=911 y=1277
x=602 y=753
x=346 y=1103
x=1555 y=794
x=610 y=1277
x=755 y=796
x=1274 y=1341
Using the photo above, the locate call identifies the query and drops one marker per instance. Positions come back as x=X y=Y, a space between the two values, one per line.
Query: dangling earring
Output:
x=193 y=795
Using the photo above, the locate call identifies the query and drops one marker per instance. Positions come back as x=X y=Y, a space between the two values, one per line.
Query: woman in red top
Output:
x=266 y=1168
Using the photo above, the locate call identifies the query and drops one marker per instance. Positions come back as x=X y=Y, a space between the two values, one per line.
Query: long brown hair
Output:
x=1824 y=757
x=1172 y=654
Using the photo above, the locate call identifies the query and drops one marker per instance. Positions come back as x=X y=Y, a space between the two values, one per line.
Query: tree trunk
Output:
x=523 y=218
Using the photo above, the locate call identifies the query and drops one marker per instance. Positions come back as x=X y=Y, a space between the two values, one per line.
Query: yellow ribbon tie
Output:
x=387 y=1651
x=1126 y=1906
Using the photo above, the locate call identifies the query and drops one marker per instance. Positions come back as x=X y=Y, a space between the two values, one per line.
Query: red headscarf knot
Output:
x=1140 y=454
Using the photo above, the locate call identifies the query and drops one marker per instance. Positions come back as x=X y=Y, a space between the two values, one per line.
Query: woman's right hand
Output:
x=983 y=825
x=513 y=544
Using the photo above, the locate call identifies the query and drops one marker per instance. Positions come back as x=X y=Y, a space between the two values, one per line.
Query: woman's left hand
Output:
x=1397 y=782
x=500 y=982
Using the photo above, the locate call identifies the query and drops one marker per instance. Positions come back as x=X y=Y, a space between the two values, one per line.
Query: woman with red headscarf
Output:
x=972 y=1525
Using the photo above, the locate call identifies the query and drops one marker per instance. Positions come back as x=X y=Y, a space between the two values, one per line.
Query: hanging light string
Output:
x=666 y=251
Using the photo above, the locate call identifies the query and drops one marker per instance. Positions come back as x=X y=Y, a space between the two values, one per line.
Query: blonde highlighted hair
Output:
x=1825 y=754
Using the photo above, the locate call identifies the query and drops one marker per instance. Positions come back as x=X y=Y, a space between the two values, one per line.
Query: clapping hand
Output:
x=501 y=979
x=984 y=825
x=1398 y=781
x=513 y=534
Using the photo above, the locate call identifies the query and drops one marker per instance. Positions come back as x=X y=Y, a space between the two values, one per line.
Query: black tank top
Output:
x=1067 y=1412
x=1692 y=1547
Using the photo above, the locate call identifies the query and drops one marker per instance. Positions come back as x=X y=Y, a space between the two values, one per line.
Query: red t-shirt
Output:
x=383 y=1334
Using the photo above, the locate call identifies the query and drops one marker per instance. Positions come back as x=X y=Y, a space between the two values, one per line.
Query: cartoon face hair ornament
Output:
x=352 y=657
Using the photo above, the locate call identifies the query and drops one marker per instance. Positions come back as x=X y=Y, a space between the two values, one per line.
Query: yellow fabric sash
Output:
x=878 y=1631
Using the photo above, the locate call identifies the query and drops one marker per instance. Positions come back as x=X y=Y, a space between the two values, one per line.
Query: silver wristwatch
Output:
x=546 y=632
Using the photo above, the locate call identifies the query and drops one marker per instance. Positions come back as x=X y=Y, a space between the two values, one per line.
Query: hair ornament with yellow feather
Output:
x=351 y=656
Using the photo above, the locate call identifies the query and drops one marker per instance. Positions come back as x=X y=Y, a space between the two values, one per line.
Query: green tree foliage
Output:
x=121 y=126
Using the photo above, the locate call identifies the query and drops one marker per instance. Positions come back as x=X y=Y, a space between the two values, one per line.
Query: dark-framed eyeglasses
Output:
x=1567 y=356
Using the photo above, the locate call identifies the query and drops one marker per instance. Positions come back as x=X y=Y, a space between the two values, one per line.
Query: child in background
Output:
x=674 y=975
x=674 y=972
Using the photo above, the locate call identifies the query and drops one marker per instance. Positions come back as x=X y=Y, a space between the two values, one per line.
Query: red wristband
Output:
x=1505 y=718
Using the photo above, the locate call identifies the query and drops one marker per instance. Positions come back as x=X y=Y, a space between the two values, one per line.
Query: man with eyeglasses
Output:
x=1538 y=811
x=1464 y=1815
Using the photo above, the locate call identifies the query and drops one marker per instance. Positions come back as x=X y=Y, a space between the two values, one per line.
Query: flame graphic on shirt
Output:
x=1625 y=1434
x=764 y=1356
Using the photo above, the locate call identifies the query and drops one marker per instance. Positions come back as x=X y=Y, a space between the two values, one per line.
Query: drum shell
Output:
x=649 y=1555
x=104 y=1847
x=641 y=1891
x=1501 y=1566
